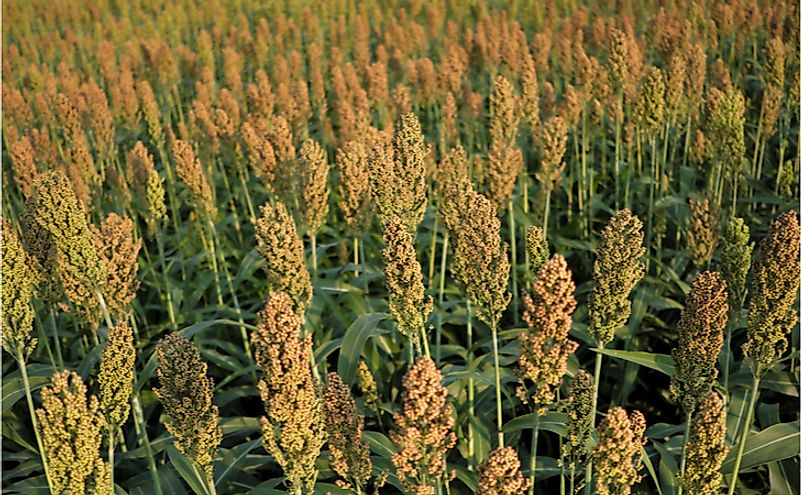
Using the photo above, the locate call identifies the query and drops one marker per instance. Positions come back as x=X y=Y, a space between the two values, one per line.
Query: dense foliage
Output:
x=441 y=247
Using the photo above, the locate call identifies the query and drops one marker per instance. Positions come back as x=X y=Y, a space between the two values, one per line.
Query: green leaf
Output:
x=658 y=362
x=353 y=343
x=469 y=478
x=380 y=444
x=231 y=459
x=188 y=471
x=14 y=388
x=551 y=421
x=650 y=467
x=667 y=469
x=774 y=443
x=329 y=489
x=30 y=486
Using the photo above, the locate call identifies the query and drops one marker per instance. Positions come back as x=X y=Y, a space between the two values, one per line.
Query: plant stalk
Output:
x=535 y=434
x=498 y=402
x=749 y=416
x=683 y=464
x=471 y=444
x=596 y=384
x=23 y=368
x=140 y=425
x=111 y=458
x=441 y=295
x=513 y=252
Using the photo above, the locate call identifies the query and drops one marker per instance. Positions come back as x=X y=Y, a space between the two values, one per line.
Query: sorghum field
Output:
x=430 y=248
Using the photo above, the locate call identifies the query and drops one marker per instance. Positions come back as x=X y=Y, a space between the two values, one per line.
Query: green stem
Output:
x=424 y=338
x=547 y=211
x=104 y=310
x=167 y=290
x=356 y=256
x=441 y=295
x=687 y=138
x=139 y=424
x=235 y=300
x=535 y=434
x=588 y=470
x=526 y=260
x=513 y=249
x=618 y=126
x=654 y=181
x=683 y=464
x=498 y=402
x=314 y=253
x=749 y=415
x=433 y=251
x=583 y=175
x=56 y=338
x=215 y=269
x=111 y=457
x=23 y=368
x=43 y=338
x=727 y=357
x=572 y=478
x=471 y=444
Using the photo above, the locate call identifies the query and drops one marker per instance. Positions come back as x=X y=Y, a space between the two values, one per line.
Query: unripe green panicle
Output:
x=616 y=271
x=774 y=288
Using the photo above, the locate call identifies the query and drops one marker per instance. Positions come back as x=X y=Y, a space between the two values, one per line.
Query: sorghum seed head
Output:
x=649 y=109
x=706 y=448
x=531 y=97
x=617 y=456
x=354 y=186
x=313 y=167
x=545 y=347
x=618 y=58
x=157 y=210
x=580 y=420
x=774 y=62
x=118 y=255
x=23 y=164
x=293 y=427
x=404 y=279
x=616 y=271
x=278 y=242
x=18 y=287
x=261 y=154
x=188 y=168
x=60 y=238
x=500 y=474
x=186 y=394
x=423 y=430
x=117 y=375
x=71 y=427
x=554 y=143
x=537 y=246
x=397 y=173
x=700 y=327
x=703 y=232
x=480 y=264
x=726 y=121
x=504 y=115
x=367 y=386
x=453 y=187
x=774 y=288
x=350 y=455
x=735 y=262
